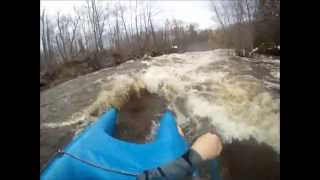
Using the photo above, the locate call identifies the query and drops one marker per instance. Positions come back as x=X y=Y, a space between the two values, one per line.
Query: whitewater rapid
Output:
x=213 y=87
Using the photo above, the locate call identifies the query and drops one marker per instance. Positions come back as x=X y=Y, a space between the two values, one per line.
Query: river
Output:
x=238 y=97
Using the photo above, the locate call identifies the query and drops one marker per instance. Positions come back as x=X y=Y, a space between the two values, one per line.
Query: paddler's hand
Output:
x=208 y=146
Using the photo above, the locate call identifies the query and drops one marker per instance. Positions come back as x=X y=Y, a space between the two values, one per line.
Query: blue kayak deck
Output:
x=97 y=146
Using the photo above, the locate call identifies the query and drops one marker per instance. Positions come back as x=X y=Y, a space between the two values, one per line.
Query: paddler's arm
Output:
x=206 y=147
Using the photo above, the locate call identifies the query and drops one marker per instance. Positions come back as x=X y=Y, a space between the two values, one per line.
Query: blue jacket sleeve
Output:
x=178 y=169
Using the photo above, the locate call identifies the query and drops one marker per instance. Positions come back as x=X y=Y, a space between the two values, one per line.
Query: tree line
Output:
x=123 y=31
x=246 y=25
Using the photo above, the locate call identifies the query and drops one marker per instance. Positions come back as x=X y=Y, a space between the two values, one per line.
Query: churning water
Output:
x=213 y=87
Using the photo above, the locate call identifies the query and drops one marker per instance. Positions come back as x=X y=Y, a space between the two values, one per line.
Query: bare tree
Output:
x=75 y=24
x=151 y=27
x=136 y=23
x=43 y=37
x=121 y=10
x=60 y=38
x=117 y=32
x=97 y=17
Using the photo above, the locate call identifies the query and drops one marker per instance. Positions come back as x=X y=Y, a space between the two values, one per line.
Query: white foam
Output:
x=241 y=108
x=64 y=123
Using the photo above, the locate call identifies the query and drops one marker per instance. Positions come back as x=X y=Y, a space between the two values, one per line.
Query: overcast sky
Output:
x=189 y=11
